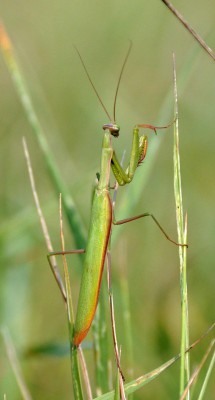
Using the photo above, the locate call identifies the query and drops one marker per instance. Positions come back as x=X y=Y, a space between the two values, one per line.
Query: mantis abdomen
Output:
x=99 y=234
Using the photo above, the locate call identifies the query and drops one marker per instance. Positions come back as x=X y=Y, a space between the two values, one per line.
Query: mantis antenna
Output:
x=119 y=80
x=117 y=87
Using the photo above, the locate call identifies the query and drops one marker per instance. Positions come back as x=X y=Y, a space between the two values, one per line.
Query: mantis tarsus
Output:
x=102 y=216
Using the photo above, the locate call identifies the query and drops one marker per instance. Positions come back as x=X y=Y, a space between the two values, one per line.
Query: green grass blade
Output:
x=100 y=344
x=71 y=211
x=182 y=238
x=143 y=380
x=50 y=349
x=124 y=294
x=77 y=387
x=196 y=372
x=207 y=376
x=76 y=381
x=117 y=387
x=133 y=193
x=138 y=383
x=119 y=391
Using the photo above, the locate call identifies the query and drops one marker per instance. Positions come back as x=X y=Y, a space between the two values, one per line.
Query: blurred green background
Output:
x=43 y=34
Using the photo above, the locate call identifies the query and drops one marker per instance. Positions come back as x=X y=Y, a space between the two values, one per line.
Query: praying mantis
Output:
x=102 y=216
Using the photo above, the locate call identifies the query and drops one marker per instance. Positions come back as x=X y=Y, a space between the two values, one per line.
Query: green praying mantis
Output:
x=102 y=216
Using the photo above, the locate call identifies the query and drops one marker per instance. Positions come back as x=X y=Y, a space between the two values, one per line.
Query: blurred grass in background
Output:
x=43 y=35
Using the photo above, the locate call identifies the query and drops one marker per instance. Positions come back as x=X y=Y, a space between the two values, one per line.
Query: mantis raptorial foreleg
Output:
x=138 y=153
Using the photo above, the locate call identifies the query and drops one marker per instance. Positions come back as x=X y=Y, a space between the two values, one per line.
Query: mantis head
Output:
x=113 y=128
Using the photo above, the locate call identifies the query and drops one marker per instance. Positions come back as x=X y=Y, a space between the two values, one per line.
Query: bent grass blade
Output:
x=70 y=208
x=182 y=235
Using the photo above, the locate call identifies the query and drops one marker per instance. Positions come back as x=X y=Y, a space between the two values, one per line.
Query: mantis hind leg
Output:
x=147 y=214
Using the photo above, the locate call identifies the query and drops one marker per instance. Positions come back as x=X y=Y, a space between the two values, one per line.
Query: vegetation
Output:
x=146 y=275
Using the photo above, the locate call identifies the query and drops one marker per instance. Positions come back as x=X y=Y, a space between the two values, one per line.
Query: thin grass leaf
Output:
x=138 y=383
x=182 y=238
x=76 y=381
x=52 y=349
x=100 y=344
x=14 y=362
x=48 y=349
x=66 y=295
x=125 y=300
x=143 y=380
x=85 y=374
x=77 y=387
x=197 y=371
x=207 y=376
x=119 y=391
x=52 y=260
x=196 y=36
x=71 y=211
x=117 y=387
x=113 y=325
